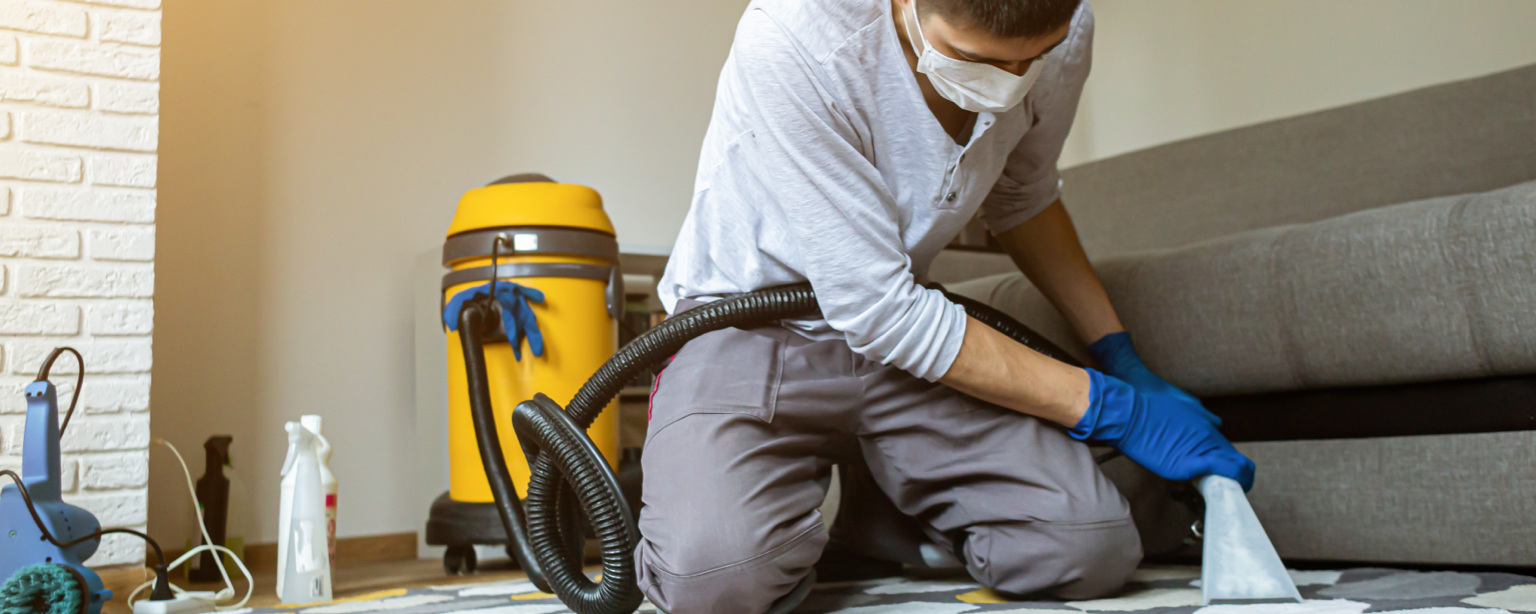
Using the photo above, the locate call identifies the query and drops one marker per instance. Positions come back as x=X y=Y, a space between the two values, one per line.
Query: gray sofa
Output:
x=1361 y=250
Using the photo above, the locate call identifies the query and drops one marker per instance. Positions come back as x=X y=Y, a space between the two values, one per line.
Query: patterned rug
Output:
x=1153 y=590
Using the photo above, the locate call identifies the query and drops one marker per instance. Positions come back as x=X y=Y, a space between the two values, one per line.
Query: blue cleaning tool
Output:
x=22 y=543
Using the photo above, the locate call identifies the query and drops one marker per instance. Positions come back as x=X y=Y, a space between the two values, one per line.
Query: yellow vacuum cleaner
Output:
x=545 y=239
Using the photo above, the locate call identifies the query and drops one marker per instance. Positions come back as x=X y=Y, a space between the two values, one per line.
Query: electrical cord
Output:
x=225 y=593
x=26 y=497
x=42 y=376
x=208 y=546
x=197 y=509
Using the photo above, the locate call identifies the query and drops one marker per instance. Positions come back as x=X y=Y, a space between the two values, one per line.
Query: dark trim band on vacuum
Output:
x=529 y=269
x=478 y=244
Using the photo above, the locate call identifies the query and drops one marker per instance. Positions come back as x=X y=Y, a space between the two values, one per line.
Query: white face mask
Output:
x=973 y=86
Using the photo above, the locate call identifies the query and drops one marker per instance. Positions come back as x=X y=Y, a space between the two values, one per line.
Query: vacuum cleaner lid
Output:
x=537 y=203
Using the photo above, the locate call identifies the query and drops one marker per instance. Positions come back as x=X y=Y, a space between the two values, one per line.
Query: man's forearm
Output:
x=997 y=369
x=1047 y=250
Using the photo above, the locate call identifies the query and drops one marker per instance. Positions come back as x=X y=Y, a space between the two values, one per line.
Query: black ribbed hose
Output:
x=569 y=476
x=1015 y=329
x=473 y=323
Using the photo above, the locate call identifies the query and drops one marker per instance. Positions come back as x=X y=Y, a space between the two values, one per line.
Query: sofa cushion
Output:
x=1461 y=499
x=1436 y=289
x=1455 y=138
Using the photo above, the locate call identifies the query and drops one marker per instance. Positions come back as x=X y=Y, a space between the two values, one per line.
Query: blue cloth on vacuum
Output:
x=1118 y=358
x=516 y=314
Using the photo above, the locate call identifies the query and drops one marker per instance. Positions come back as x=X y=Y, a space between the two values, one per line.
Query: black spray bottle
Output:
x=213 y=495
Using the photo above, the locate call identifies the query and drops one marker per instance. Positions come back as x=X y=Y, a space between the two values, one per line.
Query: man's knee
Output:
x=1066 y=560
x=690 y=577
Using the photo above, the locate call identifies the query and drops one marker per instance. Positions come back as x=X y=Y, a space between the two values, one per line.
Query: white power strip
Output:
x=179 y=605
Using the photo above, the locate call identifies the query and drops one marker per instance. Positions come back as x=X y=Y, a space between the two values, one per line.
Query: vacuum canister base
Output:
x=462 y=525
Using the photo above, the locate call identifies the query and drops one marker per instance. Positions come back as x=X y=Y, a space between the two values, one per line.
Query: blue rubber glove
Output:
x=1161 y=432
x=514 y=300
x=517 y=316
x=1118 y=359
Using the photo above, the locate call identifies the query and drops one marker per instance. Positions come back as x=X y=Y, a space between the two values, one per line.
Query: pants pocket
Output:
x=729 y=371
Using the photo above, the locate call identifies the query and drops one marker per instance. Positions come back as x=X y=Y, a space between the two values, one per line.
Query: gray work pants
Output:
x=746 y=424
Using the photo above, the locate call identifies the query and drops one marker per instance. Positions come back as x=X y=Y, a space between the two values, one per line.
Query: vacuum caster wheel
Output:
x=460 y=560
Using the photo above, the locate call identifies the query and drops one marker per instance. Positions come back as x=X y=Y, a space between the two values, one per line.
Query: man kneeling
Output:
x=851 y=140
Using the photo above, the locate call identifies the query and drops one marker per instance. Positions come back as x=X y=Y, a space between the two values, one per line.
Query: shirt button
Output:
x=950 y=197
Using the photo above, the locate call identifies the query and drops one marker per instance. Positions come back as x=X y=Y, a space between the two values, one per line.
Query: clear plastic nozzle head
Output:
x=1238 y=563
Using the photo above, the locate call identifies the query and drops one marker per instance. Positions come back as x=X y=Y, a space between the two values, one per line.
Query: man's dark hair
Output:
x=1005 y=18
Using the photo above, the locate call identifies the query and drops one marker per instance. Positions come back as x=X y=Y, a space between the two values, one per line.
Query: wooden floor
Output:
x=349 y=581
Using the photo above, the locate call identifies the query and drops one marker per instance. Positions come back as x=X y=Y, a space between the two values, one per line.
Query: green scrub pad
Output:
x=42 y=589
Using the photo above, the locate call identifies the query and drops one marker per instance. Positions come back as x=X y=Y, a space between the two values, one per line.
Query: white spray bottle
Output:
x=327 y=482
x=304 y=569
x=284 y=504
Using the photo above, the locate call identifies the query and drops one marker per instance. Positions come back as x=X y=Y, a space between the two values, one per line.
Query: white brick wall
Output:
x=126 y=170
x=8 y=50
x=79 y=128
x=89 y=204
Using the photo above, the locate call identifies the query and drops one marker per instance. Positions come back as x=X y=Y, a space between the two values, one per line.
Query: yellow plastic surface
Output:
x=579 y=335
x=531 y=204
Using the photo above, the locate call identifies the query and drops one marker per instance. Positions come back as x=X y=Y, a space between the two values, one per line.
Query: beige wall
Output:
x=1174 y=69
x=311 y=153
x=616 y=95
x=313 y=149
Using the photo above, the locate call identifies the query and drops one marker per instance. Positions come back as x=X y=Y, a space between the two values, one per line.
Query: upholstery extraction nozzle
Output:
x=1238 y=564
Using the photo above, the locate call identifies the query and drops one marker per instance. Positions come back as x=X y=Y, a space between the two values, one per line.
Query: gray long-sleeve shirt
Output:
x=823 y=163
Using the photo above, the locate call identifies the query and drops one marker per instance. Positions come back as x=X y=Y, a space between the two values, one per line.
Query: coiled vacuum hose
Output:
x=570 y=479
